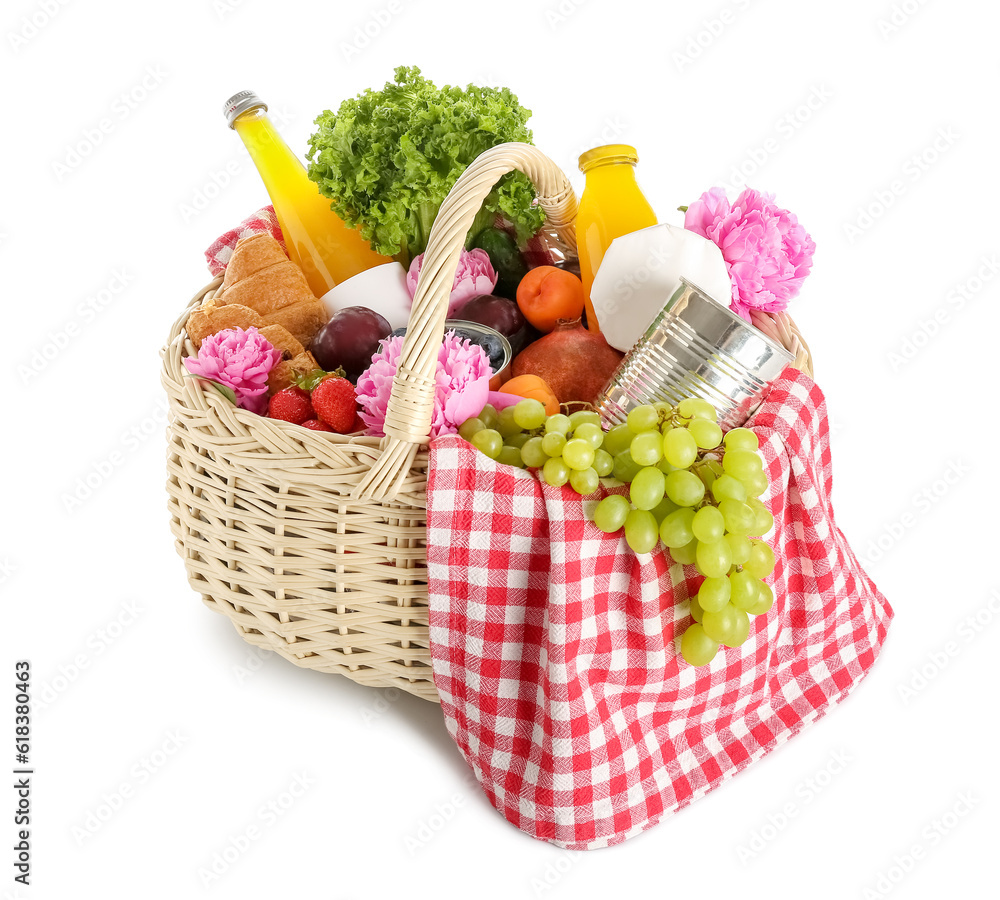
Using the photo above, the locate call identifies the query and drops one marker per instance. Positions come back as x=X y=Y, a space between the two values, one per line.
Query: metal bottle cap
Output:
x=240 y=103
x=606 y=154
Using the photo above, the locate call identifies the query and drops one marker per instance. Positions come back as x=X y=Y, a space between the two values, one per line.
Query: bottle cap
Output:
x=606 y=154
x=240 y=103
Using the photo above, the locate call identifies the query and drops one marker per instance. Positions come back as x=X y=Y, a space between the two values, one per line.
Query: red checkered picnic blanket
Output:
x=553 y=644
x=221 y=251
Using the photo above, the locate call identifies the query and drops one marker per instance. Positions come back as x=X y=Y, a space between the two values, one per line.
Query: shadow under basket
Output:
x=262 y=516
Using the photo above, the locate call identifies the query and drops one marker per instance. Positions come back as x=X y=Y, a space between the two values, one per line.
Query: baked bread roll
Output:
x=301 y=319
x=295 y=359
x=261 y=287
x=260 y=277
x=251 y=254
x=211 y=318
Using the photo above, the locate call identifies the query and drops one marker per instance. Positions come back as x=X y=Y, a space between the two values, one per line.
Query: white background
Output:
x=141 y=686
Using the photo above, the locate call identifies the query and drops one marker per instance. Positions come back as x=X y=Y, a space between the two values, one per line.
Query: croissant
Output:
x=260 y=277
x=264 y=289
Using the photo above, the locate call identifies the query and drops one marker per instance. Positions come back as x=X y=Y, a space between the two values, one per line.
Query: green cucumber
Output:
x=506 y=260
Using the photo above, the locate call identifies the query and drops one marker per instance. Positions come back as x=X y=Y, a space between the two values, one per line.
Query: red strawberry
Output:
x=334 y=401
x=291 y=405
x=359 y=424
x=316 y=425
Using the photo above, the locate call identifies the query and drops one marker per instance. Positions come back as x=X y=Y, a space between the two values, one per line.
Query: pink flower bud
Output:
x=475 y=276
x=240 y=360
x=462 y=384
x=768 y=252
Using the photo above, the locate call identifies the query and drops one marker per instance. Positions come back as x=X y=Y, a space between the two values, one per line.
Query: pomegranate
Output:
x=574 y=362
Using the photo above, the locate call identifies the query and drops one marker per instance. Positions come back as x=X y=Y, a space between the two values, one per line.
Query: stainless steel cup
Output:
x=695 y=347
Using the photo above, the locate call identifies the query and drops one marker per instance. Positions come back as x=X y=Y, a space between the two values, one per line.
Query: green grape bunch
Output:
x=566 y=448
x=691 y=487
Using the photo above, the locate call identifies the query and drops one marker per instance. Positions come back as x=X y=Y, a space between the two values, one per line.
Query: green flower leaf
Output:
x=226 y=391
x=223 y=389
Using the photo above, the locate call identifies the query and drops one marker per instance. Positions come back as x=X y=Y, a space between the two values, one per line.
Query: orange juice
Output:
x=328 y=250
x=612 y=205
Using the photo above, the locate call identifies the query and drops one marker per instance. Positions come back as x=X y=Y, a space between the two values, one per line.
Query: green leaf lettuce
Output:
x=388 y=158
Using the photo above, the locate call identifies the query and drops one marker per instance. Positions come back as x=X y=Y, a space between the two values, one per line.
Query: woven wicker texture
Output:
x=312 y=543
x=261 y=515
x=275 y=527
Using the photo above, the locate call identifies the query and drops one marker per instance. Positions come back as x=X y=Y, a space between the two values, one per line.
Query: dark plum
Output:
x=349 y=340
x=501 y=315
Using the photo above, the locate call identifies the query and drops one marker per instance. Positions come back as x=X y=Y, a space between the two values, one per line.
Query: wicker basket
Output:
x=314 y=544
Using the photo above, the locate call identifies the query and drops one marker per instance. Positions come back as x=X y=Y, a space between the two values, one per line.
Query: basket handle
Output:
x=411 y=402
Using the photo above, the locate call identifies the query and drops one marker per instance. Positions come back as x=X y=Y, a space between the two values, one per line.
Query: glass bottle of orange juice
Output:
x=611 y=205
x=327 y=249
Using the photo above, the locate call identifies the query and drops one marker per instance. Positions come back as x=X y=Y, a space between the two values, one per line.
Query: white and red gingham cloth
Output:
x=554 y=651
x=221 y=251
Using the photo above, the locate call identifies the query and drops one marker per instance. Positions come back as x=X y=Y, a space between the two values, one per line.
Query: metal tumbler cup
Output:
x=695 y=347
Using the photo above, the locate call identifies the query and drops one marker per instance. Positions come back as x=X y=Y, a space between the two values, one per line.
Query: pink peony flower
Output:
x=240 y=360
x=767 y=251
x=462 y=384
x=475 y=276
